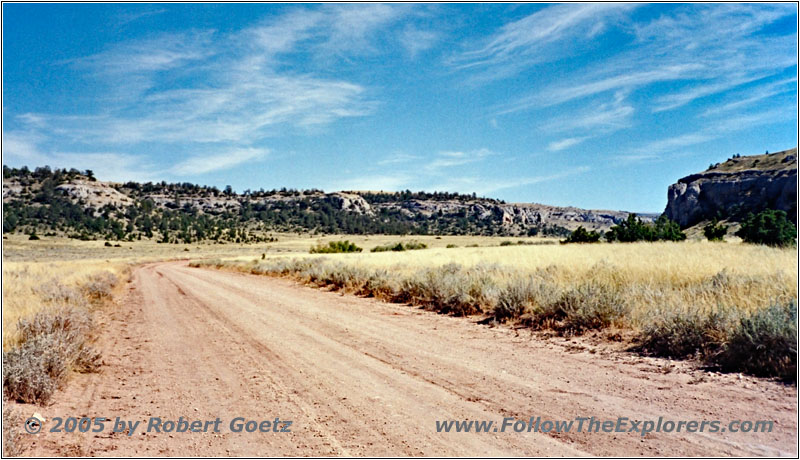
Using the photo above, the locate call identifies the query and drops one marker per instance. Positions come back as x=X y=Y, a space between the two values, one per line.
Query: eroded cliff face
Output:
x=732 y=189
x=520 y=215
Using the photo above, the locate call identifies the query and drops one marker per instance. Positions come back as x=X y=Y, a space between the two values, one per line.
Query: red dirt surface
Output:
x=360 y=377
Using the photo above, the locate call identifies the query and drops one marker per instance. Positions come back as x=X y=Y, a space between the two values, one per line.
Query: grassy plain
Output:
x=747 y=276
x=29 y=265
x=731 y=304
x=680 y=298
x=33 y=269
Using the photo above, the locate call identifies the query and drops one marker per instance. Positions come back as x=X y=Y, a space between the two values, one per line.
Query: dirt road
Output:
x=361 y=377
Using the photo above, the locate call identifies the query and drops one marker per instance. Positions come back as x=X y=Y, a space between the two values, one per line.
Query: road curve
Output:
x=359 y=377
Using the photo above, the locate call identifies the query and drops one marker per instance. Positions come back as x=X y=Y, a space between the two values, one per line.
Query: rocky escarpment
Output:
x=521 y=215
x=736 y=187
x=78 y=205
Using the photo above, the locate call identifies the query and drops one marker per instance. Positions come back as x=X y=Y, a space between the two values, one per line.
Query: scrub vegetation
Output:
x=731 y=306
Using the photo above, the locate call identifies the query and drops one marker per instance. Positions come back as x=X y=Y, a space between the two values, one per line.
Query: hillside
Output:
x=75 y=204
x=740 y=185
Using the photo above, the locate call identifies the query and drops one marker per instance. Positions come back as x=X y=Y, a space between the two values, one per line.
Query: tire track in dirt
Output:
x=362 y=377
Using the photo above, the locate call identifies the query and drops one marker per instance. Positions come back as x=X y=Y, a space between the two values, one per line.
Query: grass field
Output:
x=51 y=289
x=29 y=265
x=747 y=276
x=685 y=299
x=679 y=299
x=31 y=269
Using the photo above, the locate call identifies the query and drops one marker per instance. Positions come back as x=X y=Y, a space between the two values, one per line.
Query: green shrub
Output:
x=347 y=277
x=633 y=229
x=413 y=245
x=450 y=289
x=764 y=344
x=715 y=231
x=629 y=230
x=667 y=230
x=514 y=300
x=580 y=235
x=451 y=246
x=770 y=227
x=380 y=284
x=335 y=247
x=590 y=306
x=517 y=243
x=684 y=335
x=388 y=247
x=400 y=247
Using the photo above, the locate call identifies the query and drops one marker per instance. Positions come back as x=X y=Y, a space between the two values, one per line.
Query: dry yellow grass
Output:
x=674 y=262
x=30 y=265
x=733 y=305
x=636 y=285
x=654 y=278
x=25 y=286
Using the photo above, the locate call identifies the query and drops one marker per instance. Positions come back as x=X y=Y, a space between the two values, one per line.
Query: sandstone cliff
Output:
x=731 y=189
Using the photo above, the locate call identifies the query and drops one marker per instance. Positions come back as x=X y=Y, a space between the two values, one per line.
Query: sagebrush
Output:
x=55 y=339
x=674 y=311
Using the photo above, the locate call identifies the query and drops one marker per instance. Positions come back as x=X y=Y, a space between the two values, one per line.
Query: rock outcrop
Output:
x=522 y=215
x=736 y=187
x=95 y=193
x=349 y=202
x=210 y=209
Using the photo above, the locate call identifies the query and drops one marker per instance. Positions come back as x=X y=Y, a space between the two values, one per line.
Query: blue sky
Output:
x=590 y=105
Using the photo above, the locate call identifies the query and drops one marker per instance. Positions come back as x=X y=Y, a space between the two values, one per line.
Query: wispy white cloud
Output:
x=352 y=28
x=482 y=186
x=22 y=149
x=701 y=50
x=235 y=89
x=127 y=18
x=596 y=119
x=403 y=180
x=243 y=94
x=750 y=96
x=687 y=53
x=624 y=82
x=273 y=37
x=130 y=68
x=657 y=148
x=438 y=175
x=398 y=158
x=661 y=149
x=449 y=159
x=681 y=98
x=557 y=146
x=331 y=34
x=546 y=35
x=416 y=40
x=218 y=161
